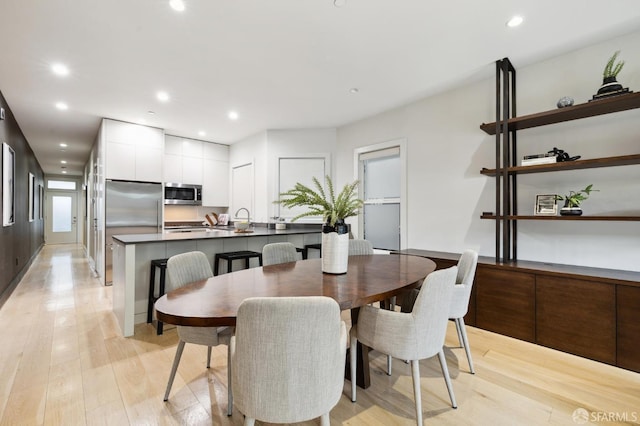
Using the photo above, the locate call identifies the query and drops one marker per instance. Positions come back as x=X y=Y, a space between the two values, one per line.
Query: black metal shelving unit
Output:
x=506 y=170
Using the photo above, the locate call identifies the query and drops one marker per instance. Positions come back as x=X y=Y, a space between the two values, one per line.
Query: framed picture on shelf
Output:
x=546 y=205
x=8 y=185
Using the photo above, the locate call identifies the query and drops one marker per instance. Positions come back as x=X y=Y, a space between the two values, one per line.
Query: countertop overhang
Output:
x=211 y=234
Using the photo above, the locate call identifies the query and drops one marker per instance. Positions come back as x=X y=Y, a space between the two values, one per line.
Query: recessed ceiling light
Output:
x=64 y=172
x=60 y=69
x=515 y=21
x=62 y=106
x=63 y=162
x=63 y=145
x=151 y=112
x=162 y=96
x=339 y=3
x=201 y=133
x=354 y=90
x=232 y=115
x=177 y=5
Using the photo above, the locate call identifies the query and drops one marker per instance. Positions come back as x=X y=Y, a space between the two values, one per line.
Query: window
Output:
x=61 y=184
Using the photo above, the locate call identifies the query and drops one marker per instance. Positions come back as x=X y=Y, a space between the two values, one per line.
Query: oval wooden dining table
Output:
x=369 y=278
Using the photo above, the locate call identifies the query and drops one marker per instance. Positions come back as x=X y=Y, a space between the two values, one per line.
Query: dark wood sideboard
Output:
x=590 y=312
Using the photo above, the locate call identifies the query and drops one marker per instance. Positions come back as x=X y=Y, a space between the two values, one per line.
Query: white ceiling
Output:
x=279 y=63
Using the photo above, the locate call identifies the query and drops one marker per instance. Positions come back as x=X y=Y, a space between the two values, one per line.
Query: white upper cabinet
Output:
x=120 y=162
x=172 y=168
x=196 y=162
x=183 y=160
x=132 y=151
x=192 y=170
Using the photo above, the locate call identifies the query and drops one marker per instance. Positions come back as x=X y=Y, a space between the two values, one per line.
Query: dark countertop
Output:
x=258 y=231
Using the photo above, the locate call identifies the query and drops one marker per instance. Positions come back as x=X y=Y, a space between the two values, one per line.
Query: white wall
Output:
x=292 y=143
x=252 y=150
x=263 y=149
x=446 y=151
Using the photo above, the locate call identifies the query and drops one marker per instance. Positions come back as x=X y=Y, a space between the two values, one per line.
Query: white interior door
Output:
x=61 y=222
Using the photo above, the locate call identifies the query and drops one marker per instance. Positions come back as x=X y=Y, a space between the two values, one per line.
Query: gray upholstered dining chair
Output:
x=411 y=336
x=360 y=247
x=288 y=357
x=275 y=253
x=459 y=302
x=183 y=269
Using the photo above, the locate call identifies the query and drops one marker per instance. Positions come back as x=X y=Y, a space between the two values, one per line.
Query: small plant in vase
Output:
x=334 y=210
x=573 y=200
x=611 y=70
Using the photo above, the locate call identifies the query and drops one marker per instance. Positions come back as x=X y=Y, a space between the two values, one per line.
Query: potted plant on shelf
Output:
x=573 y=199
x=334 y=210
x=610 y=84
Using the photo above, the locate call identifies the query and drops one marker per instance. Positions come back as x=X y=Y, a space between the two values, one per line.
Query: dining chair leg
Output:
x=392 y=307
x=459 y=332
x=352 y=362
x=229 y=392
x=447 y=379
x=465 y=343
x=176 y=361
x=208 y=356
x=415 y=374
x=324 y=420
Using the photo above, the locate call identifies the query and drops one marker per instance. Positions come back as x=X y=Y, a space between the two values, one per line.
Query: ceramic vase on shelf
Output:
x=609 y=84
x=335 y=248
x=570 y=211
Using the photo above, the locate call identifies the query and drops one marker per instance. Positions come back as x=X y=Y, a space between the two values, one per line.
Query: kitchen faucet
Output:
x=248 y=214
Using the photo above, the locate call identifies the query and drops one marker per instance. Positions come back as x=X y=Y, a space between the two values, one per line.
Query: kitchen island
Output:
x=132 y=256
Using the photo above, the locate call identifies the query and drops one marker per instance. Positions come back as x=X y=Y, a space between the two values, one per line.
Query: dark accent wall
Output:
x=20 y=242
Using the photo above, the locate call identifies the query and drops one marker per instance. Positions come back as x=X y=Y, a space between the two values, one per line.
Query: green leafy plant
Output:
x=574 y=198
x=321 y=203
x=612 y=69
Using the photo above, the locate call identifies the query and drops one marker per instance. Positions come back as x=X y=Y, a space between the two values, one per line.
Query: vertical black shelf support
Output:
x=506 y=156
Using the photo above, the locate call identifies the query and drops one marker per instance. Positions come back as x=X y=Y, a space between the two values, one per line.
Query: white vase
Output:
x=335 y=253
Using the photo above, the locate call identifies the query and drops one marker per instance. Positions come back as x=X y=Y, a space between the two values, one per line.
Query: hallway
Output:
x=63 y=362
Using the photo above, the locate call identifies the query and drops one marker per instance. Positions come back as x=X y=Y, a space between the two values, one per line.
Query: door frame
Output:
x=80 y=208
x=401 y=144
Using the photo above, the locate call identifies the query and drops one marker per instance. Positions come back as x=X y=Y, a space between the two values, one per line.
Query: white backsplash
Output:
x=177 y=213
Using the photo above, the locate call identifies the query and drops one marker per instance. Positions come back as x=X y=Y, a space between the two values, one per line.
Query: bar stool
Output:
x=162 y=264
x=305 y=252
x=235 y=255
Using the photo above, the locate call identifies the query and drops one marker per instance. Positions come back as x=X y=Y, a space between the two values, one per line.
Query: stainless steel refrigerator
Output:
x=131 y=208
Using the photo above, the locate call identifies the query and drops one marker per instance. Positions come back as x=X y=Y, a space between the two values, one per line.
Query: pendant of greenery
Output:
x=574 y=198
x=320 y=203
x=612 y=69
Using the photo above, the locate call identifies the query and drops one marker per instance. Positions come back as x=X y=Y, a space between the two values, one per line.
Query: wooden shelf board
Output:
x=623 y=160
x=596 y=218
x=575 y=112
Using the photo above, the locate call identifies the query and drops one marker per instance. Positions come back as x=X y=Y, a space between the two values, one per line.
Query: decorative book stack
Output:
x=530 y=160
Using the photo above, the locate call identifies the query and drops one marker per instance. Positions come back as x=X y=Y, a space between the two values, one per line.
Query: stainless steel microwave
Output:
x=180 y=193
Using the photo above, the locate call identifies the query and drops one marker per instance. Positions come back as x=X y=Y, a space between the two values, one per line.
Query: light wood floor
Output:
x=64 y=362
